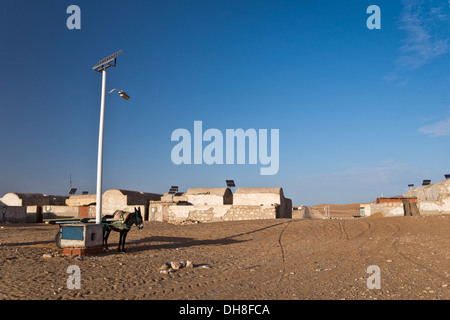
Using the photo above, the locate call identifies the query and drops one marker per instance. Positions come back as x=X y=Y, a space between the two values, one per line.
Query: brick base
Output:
x=82 y=251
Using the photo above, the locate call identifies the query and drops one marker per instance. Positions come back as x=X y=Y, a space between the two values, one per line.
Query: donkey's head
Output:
x=138 y=216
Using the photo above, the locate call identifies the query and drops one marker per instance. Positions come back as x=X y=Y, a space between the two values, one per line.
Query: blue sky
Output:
x=361 y=113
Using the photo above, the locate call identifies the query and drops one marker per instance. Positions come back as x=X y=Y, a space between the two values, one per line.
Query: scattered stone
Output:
x=165 y=266
x=175 y=265
x=47 y=255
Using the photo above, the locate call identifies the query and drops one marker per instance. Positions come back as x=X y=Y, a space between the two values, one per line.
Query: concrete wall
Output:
x=432 y=199
x=53 y=212
x=387 y=209
x=211 y=213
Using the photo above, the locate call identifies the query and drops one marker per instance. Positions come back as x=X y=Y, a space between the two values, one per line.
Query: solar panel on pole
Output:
x=107 y=62
x=101 y=66
x=230 y=183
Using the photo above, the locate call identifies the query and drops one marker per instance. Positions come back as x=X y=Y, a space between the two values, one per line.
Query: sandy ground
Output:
x=261 y=259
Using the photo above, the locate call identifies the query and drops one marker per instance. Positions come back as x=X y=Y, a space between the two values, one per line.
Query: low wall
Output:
x=53 y=212
x=211 y=213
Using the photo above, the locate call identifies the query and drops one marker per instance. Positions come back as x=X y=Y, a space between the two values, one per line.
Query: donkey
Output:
x=127 y=220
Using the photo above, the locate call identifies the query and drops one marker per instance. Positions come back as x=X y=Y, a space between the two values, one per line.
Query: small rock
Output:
x=165 y=266
x=47 y=255
x=189 y=264
x=175 y=265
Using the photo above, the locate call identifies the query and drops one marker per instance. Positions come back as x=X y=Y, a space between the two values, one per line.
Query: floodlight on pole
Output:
x=101 y=66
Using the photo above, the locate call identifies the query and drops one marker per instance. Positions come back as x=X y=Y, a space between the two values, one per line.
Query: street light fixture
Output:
x=101 y=66
x=122 y=93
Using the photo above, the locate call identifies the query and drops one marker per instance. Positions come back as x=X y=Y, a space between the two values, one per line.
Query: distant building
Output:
x=15 y=199
x=197 y=204
x=264 y=196
x=432 y=199
x=220 y=204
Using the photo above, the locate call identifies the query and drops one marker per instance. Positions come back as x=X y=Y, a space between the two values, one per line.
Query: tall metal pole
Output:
x=98 y=216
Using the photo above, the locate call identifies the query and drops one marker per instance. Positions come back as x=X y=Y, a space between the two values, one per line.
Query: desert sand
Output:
x=284 y=259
